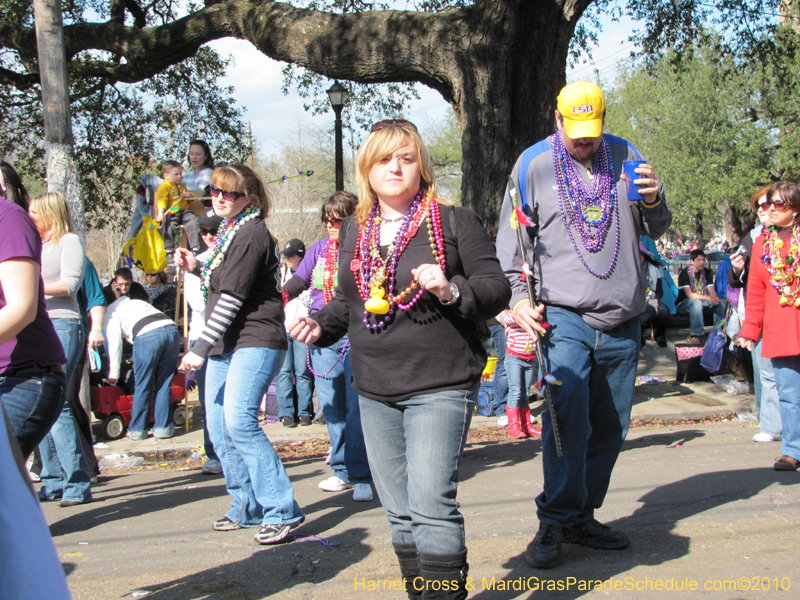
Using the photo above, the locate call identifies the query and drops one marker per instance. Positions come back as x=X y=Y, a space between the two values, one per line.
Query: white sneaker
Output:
x=212 y=467
x=34 y=477
x=334 y=484
x=328 y=457
x=762 y=436
x=362 y=492
x=502 y=421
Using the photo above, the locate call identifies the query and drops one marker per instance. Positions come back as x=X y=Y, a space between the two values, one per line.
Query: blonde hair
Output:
x=53 y=210
x=241 y=178
x=380 y=144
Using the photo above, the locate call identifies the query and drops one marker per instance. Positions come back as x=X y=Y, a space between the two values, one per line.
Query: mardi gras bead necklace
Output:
x=782 y=271
x=375 y=276
x=698 y=287
x=224 y=238
x=330 y=270
x=590 y=210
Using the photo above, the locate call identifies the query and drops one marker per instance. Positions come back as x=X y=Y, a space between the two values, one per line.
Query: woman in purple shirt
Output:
x=32 y=382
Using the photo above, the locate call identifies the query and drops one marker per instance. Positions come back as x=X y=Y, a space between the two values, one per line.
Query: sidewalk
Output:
x=667 y=401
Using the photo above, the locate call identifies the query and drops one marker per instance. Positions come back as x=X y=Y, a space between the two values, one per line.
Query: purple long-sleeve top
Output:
x=309 y=275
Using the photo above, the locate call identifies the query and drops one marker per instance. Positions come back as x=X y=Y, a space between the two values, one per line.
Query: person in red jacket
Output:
x=773 y=309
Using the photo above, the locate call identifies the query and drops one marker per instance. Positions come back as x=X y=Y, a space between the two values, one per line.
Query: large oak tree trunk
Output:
x=62 y=172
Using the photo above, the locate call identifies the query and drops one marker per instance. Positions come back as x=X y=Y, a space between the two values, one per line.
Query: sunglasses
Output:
x=330 y=221
x=778 y=204
x=401 y=122
x=226 y=194
x=204 y=231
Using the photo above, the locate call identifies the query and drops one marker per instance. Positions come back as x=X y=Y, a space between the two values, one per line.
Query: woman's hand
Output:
x=191 y=362
x=529 y=318
x=95 y=338
x=745 y=343
x=184 y=259
x=432 y=279
x=305 y=330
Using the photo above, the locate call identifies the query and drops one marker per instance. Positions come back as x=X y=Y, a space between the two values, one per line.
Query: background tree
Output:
x=694 y=119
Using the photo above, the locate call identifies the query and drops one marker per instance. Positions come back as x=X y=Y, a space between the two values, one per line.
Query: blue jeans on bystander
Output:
x=295 y=374
x=340 y=407
x=155 y=360
x=33 y=400
x=787 y=379
x=593 y=407
x=694 y=308
x=254 y=475
x=65 y=472
x=415 y=448
x=767 y=403
x=500 y=371
x=521 y=374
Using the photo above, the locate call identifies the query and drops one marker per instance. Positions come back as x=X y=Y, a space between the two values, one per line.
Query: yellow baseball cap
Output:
x=582 y=106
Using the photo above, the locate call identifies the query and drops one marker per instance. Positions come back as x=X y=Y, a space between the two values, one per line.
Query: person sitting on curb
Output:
x=696 y=292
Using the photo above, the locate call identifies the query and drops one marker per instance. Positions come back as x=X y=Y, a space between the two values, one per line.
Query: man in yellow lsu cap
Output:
x=583 y=250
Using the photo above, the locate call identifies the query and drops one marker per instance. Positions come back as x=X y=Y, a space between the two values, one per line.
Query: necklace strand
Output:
x=224 y=239
x=782 y=272
x=588 y=211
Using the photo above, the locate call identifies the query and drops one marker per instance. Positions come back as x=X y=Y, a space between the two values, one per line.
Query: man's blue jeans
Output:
x=33 y=401
x=767 y=403
x=339 y=402
x=694 y=308
x=787 y=378
x=415 y=448
x=500 y=377
x=65 y=472
x=521 y=374
x=155 y=360
x=295 y=373
x=254 y=475
x=593 y=408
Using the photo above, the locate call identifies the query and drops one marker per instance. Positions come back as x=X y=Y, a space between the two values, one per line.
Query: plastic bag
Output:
x=731 y=385
x=713 y=352
x=146 y=250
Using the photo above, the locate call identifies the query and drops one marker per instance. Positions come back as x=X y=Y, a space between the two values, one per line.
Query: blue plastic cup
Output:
x=629 y=168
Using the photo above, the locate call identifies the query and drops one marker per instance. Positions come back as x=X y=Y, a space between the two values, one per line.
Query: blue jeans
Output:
x=500 y=377
x=787 y=379
x=415 y=448
x=694 y=308
x=294 y=373
x=65 y=472
x=33 y=400
x=340 y=407
x=767 y=402
x=521 y=374
x=200 y=378
x=254 y=475
x=593 y=408
x=155 y=360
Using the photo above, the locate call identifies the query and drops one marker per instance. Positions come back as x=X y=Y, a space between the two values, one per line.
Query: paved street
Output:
x=700 y=502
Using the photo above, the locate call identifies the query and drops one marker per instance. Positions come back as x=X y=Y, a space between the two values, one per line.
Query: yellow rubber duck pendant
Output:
x=377 y=304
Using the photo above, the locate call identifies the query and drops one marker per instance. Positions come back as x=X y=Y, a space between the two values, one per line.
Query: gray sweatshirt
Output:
x=561 y=278
x=64 y=261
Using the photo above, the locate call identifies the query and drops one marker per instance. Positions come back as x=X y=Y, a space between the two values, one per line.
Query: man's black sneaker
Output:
x=288 y=422
x=321 y=420
x=305 y=421
x=544 y=551
x=596 y=535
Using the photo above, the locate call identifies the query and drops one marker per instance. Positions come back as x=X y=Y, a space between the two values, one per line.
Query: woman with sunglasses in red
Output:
x=243 y=340
x=331 y=365
x=773 y=309
x=418 y=277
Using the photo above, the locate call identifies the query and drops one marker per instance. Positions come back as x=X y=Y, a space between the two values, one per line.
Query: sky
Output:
x=257 y=81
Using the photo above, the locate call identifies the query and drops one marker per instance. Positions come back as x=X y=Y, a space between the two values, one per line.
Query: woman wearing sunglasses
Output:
x=418 y=276
x=773 y=309
x=767 y=404
x=331 y=364
x=243 y=339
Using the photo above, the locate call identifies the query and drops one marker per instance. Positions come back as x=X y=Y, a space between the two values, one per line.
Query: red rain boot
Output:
x=525 y=421
x=514 y=429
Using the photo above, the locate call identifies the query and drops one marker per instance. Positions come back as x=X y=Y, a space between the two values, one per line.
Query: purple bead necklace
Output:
x=589 y=210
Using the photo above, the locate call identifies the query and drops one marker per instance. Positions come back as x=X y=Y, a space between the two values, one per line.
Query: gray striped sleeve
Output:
x=218 y=321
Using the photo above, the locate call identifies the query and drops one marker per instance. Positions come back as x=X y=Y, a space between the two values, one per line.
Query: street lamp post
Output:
x=337 y=94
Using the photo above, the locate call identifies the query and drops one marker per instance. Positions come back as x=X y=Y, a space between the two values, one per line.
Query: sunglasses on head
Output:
x=226 y=194
x=777 y=203
x=332 y=221
x=385 y=123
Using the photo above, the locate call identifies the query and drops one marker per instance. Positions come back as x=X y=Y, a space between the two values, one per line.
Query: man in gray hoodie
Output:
x=583 y=248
